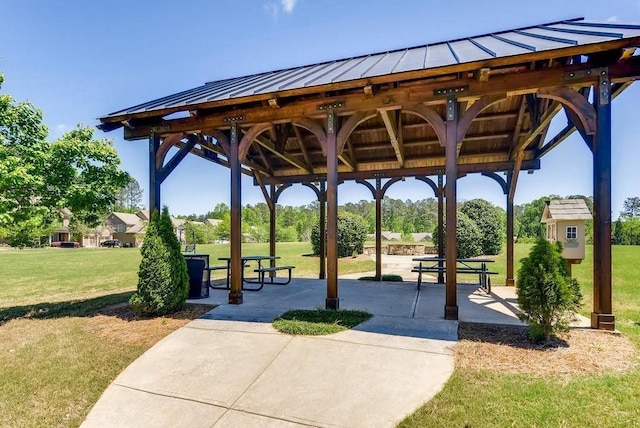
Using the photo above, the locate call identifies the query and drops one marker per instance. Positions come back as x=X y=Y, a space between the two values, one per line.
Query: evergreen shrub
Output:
x=163 y=283
x=547 y=295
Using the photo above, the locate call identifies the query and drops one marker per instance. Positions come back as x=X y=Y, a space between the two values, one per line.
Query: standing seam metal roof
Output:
x=485 y=47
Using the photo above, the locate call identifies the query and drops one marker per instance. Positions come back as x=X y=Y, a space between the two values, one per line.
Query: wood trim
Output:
x=576 y=103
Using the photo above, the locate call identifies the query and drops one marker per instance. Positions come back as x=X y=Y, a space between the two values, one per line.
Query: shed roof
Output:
x=483 y=48
x=566 y=209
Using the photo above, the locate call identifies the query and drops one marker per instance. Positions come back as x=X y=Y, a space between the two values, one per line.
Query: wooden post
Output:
x=602 y=316
x=378 y=195
x=323 y=230
x=235 y=294
x=510 y=280
x=272 y=227
x=451 y=170
x=440 y=227
x=154 y=180
x=332 y=300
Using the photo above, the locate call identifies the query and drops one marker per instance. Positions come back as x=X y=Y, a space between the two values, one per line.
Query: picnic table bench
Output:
x=260 y=270
x=468 y=266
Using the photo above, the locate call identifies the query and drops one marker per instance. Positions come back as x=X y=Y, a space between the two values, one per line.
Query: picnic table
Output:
x=463 y=265
x=260 y=270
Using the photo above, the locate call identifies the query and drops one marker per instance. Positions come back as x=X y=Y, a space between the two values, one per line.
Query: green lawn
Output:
x=64 y=274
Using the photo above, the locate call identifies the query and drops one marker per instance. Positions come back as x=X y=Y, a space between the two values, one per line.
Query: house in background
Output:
x=128 y=228
x=212 y=222
x=96 y=237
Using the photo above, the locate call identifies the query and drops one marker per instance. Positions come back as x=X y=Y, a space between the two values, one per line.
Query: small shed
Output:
x=565 y=220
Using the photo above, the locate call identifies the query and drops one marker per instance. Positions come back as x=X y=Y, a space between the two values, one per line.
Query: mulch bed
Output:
x=508 y=349
x=120 y=323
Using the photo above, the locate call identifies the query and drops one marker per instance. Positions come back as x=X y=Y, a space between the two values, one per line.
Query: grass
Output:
x=318 y=321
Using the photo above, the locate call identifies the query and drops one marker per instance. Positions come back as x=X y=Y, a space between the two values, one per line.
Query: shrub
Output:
x=352 y=231
x=488 y=218
x=163 y=283
x=468 y=237
x=547 y=295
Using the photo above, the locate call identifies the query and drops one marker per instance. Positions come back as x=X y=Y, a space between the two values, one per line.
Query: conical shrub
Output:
x=163 y=283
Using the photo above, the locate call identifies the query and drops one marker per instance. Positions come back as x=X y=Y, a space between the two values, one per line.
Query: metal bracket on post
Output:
x=452 y=111
x=604 y=87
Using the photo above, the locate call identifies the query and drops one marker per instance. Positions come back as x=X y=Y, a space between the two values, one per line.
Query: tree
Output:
x=530 y=224
x=163 y=283
x=38 y=178
x=129 y=198
x=547 y=295
x=488 y=218
x=352 y=231
x=468 y=236
x=631 y=208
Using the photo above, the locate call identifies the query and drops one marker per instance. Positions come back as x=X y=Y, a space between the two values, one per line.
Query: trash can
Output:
x=196 y=273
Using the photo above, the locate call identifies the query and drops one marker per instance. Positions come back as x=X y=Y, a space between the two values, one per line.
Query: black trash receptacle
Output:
x=196 y=272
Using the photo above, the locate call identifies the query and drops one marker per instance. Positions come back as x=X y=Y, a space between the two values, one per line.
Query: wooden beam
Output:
x=392 y=124
x=303 y=149
x=545 y=120
x=263 y=156
x=332 y=300
x=267 y=197
x=235 y=292
x=352 y=154
x=264 y=142
x=528 y=164
x=219 y=150
x=616 y=90
x=346 y=160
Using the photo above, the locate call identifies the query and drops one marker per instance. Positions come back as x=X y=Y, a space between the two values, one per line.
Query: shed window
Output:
x=572 y=232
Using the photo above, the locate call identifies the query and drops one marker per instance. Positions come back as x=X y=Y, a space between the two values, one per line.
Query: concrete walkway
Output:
x=232 y=369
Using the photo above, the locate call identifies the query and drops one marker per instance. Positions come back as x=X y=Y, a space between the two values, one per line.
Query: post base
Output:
x=235 y=298
x=451 y=312
x=332 y=303
x=603 y=321
x=510 y=282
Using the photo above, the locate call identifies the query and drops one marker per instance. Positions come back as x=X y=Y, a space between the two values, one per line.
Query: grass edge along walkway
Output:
x=317 y=322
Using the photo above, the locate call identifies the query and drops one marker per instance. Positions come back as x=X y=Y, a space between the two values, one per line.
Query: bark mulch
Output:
x=577 y=352
x=119 y=323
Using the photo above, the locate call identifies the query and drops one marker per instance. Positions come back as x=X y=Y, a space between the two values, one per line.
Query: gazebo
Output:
x=480 y=104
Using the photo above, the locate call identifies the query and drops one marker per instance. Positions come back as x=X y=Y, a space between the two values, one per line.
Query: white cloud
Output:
x=612 y=19
x=61 y=128
x=288 y=5
x=275 y=7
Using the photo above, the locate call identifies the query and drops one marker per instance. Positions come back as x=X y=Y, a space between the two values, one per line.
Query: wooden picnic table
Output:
x=438 y=265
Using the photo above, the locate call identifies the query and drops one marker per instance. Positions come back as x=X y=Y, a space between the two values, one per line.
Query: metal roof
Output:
x=487 y=47
x=566 y=209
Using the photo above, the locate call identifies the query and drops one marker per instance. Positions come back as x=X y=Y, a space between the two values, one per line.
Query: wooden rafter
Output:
x=346 y=159
x=270 y=146
x=352 y=154
x=303 y=149
x=545 y=120
x=392 y=123
x=208 y=145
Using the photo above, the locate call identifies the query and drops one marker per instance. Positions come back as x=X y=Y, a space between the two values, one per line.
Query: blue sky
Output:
x=78 y=60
